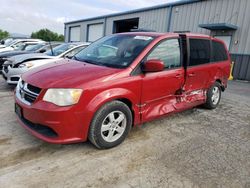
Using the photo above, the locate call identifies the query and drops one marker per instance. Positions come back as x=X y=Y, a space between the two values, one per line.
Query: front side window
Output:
x=117 y=51
x=32 y=48
x=60 y=49
x=199 y=52
x=71 y=53
x=18 y=45
x=169 y=52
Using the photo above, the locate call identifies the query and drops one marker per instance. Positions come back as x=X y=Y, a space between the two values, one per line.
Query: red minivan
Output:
x=121 y=81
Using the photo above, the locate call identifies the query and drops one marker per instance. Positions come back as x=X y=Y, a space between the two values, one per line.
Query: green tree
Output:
x=3 y=34
x=47 y=35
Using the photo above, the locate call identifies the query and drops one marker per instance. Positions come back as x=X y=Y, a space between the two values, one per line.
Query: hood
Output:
x=41 y=62
x=12 y=53
x=67 y=74
x=6 y=49
x=27 y=57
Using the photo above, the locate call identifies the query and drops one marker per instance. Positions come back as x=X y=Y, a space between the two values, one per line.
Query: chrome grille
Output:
x=27 y=93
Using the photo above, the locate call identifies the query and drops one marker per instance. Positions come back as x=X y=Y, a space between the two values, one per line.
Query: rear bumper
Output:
x=58 y=125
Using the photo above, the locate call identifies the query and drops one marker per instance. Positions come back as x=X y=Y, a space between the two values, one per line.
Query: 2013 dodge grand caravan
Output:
x=118 y=82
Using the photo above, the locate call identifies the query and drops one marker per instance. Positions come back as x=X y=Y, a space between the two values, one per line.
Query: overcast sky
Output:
x=25 y=16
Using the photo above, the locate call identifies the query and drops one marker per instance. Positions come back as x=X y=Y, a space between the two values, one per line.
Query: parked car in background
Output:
x=121 y=81
x=38 y=48
x=6 y=41
x=23 y=46
x=16 y=43
x=12 y=73
x=46 y=48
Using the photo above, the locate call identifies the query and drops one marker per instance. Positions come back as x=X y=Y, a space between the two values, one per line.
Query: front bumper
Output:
x=48 y=122
x=12 y=75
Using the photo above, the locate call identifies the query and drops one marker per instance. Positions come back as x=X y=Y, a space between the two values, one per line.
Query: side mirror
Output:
x=153 y=65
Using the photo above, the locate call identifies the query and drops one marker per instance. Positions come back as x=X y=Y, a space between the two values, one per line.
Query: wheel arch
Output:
x=120 y=94
x=221 y=84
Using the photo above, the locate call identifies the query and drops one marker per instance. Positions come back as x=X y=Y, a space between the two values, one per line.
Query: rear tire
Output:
x=110 y=125
x=213 y=96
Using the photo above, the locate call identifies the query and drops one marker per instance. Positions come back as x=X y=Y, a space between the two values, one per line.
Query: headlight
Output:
x=63 y=97
x=28 y=65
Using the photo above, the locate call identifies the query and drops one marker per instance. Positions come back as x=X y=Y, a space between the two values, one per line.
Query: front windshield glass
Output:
x=117 y=51
x=32 y=48
x=59 y=49
x=8 y=41
x=13 y=42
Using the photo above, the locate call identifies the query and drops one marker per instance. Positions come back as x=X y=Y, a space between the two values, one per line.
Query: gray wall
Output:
x=83 y=27
x=237 y=12
x=241 y=69
x=187 y=17
x=153 y=19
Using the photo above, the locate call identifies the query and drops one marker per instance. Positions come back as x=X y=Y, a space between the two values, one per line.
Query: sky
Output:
x=26 y=16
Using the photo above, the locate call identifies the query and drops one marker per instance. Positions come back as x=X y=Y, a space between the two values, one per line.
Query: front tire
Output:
x=213 y=96
x=110 y=125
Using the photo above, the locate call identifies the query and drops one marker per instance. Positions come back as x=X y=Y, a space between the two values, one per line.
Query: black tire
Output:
x=96 y=135
x=211 y=103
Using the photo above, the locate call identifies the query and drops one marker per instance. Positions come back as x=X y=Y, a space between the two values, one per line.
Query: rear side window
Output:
x=199 y=52
x=219 y=52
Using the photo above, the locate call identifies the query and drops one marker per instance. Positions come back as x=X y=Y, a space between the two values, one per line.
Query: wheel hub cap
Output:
x=113 y=126
x=215 y=95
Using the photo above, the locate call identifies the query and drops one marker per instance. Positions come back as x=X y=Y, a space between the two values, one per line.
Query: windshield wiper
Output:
x=90 y=61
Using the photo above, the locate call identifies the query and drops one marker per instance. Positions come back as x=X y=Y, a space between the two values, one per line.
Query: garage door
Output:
x=95 y=31
x=74 y=34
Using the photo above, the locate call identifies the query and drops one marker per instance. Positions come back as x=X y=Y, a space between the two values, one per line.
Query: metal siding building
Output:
x=225 y=19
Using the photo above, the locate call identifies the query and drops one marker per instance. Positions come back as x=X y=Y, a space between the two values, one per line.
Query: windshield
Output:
x=60 y=49
x=117 y=51
x=32 y=48
x=8 y=41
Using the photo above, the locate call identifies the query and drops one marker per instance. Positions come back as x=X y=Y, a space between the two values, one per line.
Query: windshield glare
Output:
x=7 y=42
x=117 y=51
x=59 y=49
x=32 y=48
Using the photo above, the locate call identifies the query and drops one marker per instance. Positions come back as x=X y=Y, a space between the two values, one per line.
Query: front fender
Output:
x=113 y=94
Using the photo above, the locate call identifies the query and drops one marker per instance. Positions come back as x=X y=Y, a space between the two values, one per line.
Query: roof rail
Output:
x=142 y=30
x=181 y=31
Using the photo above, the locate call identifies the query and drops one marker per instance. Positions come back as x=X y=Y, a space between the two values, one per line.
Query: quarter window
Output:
x=219 y=52
x=199 y=52
x=169 y=52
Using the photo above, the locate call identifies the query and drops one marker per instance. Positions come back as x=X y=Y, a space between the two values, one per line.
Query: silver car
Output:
x=12 y=70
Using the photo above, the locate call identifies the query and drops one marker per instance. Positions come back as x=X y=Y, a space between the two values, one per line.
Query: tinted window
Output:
x=169 y=52
x=219 y=52
x=199 y=52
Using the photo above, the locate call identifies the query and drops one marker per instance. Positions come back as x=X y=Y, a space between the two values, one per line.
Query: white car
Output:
x=17 y=43
x=13 y=73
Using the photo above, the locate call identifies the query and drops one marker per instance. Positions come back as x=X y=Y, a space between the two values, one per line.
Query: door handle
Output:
x=191 y=74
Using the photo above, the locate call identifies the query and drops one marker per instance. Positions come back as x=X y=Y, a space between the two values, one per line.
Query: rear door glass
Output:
x=219 y=52
x=199 y=52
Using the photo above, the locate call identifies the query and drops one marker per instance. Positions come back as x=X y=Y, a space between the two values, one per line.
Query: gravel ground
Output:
x=195 y=148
